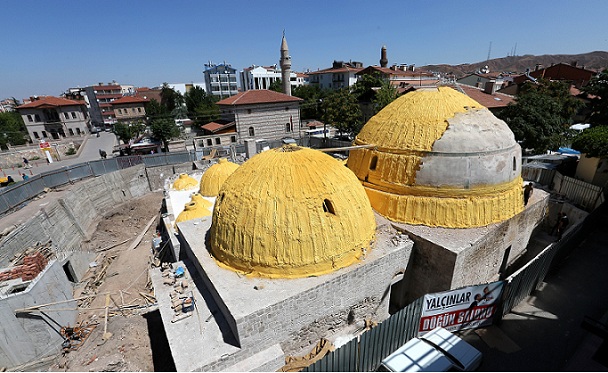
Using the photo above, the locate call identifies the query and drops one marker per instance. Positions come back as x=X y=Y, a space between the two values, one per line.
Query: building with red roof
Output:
x=54 y=118
x=253 y=115
x=340 y=75
x=100 y=99
x=130 y=109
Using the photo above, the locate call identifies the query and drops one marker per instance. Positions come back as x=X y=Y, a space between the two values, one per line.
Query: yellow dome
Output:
x=439 y=159
x=192 y=210
x=291 y=212
x=201 y=201
x=185 y=182
x=214 y=177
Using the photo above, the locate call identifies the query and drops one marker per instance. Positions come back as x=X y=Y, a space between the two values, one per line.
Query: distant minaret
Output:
x=383 y=59
x=285 y=63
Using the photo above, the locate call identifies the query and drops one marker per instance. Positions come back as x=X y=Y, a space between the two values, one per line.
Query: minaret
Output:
x=383 y=59
x=285 y=63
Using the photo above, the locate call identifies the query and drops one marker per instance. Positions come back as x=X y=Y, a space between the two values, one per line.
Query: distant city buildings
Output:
x=340 y=75
x=220 y=80
x=261 y=77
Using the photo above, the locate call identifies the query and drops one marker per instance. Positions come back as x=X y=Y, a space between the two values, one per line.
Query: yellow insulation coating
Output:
x=184 y=182
x=291 y=212
x=214 y=177
x=201 y=201
x=416 y=120
x=192 y=210
x=450 y=208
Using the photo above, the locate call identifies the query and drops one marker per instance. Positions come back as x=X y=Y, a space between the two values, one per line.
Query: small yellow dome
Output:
x=291 y=212
x=201 y=201
x=184 y=182
x=192 y=210
x=214 y=177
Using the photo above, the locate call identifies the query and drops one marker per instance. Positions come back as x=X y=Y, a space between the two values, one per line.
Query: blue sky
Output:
x=49 y=46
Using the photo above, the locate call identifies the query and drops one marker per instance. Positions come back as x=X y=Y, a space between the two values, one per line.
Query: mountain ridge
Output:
x=596 y=61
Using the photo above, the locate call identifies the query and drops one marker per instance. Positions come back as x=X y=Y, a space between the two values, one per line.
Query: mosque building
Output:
x=300 y=247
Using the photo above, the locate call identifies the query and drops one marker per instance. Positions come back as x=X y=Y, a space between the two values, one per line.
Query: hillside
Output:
x=518 y=64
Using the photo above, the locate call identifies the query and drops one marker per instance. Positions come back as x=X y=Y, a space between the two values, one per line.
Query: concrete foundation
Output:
x=446 y=259
x=31 y=336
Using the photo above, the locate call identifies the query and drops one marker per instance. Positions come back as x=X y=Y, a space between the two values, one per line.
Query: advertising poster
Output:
x=466 y=308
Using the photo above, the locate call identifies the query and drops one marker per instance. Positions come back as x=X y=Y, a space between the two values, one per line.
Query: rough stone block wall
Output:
x=28 y=337
x=366 y=288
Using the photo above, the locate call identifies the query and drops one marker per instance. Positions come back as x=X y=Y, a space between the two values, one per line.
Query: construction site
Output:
x=265 y=264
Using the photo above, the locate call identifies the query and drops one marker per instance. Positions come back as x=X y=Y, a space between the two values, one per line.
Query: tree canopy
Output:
x=593 y=141
x=598 y=88
x=12 y=129
x=164 y=129
x=127 y=131
x=541 y=115
x=276 y=86
x=341 y=110
x=202 y=107
x=169 y=98
x=311 y=94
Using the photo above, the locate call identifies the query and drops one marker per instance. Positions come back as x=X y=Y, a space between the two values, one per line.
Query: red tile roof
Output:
x=258 y=96
x=130 y=100
x=344 y=69
x=490 y=101
x=49 y=101
x=217 y=126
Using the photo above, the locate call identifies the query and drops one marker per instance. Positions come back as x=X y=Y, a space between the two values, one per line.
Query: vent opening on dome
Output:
x=514 y=164
x=328 y=207
x=373 y=163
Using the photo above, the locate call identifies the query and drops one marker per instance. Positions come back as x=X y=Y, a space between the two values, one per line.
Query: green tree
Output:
x=364 y=88
x=127 y=131
x=593 y=141
x=276 y=86
x=202 y=107
x=341 y=110
x=12 y=129
x=312 y=96
x=155 y=110
x=541 y=115
x=164 y=129
x=598 y=89
x=384 y=96
x=169 y=98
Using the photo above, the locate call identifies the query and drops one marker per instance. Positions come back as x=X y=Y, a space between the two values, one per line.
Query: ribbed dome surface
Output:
x=184 y=182
x=439 y=159
x=201 y=201
x=291 y=212
x=416 y=120
x=214 y=177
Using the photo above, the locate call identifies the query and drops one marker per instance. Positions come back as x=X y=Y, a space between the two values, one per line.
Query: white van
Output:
x=437 y=351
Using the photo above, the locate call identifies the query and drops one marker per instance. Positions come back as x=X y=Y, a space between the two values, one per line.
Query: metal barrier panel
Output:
x=98 y=167
x=16 y=194
x=35 y=185
x=4 y=205
x=176 y=158
x=55 y=178
x=155 y=160
x=79 y=171
x=111 y=165
x=129 y=161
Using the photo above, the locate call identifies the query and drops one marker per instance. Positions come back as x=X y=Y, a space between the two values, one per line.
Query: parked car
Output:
x=437 y=351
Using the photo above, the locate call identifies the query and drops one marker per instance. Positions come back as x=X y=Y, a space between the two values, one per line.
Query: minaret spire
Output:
x=285 y=63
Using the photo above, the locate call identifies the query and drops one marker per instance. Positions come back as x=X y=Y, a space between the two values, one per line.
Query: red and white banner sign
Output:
x=466 y=308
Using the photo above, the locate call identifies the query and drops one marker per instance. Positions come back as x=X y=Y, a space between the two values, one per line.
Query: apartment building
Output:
x=130 y=109
x=100 y=98
x=261 y=77
x=220 y=80
x=340 y=75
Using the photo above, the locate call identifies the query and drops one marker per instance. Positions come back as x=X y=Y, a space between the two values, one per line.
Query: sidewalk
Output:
x=544 y=333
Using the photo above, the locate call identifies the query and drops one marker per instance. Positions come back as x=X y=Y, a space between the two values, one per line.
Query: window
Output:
x=78 y=131
x=373 y=163
x=66 y=115
x=36 y=135
x=248 y=111
x=209 y=142
x=29 y=118
x=232 y=138
x=139 y=110
x=36 y=118
x=286 y=109
x=44 y=134
x=287 y=127
x=251 y=132
x=218 y=141
x=73 y=115
x=514 y=164
x=71 y=131
x=328 y=207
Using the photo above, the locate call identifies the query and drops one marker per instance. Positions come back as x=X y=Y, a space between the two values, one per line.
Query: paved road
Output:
x=88 y=152
x=543 y=333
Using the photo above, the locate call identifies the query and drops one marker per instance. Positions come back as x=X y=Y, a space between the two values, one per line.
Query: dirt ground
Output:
x=118 y=276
